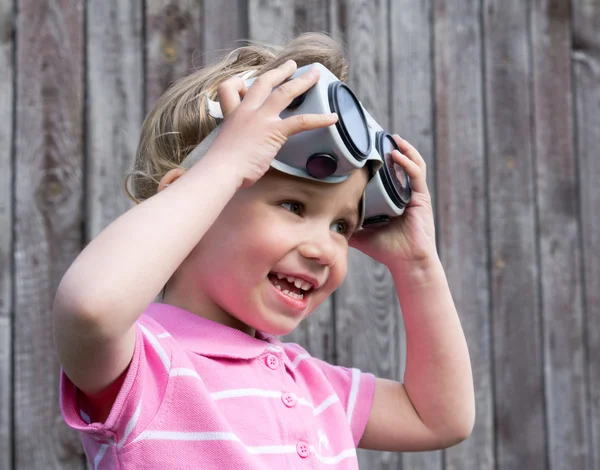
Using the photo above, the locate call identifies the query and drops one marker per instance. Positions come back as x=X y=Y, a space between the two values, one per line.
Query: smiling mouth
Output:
x=291 y=286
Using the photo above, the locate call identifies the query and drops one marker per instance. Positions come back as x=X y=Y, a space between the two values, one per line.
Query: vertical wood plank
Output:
x=462 y=210
x=311 y=15
x=49 y=91
x=411 y=86
x=518 y=384
x=225 y=26
x=114 y=105
x=173 y=41
x=367 y=312
x=559 y=237
x=586 y=74
x=6 y=229
x=271 y=21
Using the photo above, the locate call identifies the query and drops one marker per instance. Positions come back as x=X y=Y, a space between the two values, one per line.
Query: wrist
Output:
x=221 y=170
x=416 y=271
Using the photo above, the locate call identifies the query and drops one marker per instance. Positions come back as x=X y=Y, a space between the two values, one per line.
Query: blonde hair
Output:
x=179 y=120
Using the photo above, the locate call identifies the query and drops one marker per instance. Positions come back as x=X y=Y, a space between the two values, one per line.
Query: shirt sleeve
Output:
x=145 y=383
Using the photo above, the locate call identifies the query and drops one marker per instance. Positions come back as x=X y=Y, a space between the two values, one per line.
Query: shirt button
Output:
x=303 y=449
x=272 y=361
x=289 y=400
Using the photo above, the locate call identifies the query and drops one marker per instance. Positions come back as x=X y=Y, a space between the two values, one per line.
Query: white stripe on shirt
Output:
x=353 y=394
x=130 y=425
x=162 y=354
x=229 y=436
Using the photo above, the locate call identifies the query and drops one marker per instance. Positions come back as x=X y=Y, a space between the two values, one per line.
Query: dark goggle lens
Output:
x=352 y=122
x=395 y=178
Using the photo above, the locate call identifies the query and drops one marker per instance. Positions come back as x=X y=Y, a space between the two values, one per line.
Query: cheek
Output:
x=339 y=270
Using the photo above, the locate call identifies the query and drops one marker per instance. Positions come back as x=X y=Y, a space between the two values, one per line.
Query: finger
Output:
x=411 y=152
x=261 y=88
x=284 y=94
x=413 y=170
x=306 y=122
x=230 y=94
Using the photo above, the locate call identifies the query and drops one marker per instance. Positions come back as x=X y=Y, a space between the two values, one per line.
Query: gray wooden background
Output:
x=502 y=97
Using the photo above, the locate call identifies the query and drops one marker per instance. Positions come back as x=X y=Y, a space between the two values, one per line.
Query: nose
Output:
x=320 y=248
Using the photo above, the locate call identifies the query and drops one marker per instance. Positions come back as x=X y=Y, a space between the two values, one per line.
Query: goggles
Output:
x=333 y=153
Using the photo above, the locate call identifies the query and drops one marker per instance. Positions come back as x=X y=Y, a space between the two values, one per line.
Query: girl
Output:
x=244 y=253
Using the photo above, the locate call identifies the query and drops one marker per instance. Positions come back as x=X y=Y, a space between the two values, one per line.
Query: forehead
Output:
x=349 y=190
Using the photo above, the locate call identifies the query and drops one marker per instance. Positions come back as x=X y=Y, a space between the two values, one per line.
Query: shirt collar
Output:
x=207 y=337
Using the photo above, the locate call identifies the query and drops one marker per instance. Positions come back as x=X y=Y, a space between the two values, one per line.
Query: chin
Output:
x=278 y=327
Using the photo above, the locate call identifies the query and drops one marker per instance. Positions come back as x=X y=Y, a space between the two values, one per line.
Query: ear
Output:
x=170 y=178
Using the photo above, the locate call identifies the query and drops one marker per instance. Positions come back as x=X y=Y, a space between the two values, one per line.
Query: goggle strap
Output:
x=195 y=155
x=213 y=108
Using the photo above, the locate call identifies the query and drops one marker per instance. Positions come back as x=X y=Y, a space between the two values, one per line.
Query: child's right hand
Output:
x=252 y=132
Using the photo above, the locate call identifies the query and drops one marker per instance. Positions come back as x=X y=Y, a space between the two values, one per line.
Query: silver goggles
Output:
x=333 y=153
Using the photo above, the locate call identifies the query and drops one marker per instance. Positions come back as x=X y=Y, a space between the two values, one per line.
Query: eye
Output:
x=293 y=206
x=342 y=227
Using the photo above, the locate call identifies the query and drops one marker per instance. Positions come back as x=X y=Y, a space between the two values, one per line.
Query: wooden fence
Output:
x=501 y=96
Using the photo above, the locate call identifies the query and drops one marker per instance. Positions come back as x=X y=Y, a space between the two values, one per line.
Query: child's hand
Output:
x=411 y=236
x=252 y=132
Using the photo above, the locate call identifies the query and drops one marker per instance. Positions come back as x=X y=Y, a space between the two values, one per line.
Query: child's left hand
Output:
x=411 y=236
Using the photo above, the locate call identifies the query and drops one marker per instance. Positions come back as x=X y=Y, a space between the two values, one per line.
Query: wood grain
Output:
x=6 y=229
x=115 y=102
x=515 y=304
x=586 y=75
x=412 y=111
x=368 y=321
x=173 y=41
x=462 y=212
x=559 y=236
x=311 y=15
x=225 y=27
x=48 y=194
x=271 y=21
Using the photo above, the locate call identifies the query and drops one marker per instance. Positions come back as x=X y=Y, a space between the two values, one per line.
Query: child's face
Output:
x=281 y=224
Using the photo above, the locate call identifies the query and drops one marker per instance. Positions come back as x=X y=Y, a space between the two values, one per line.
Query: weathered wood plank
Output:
x=412 y=117
x=311 y=15
x=115 y=105
x=559 y=237
x=48 y=188
x=586 y=68
x=6 y=228
x=516 y=314
x=368 y=319
x=173 y=40
x=271 y=21
x=462 y=214
x=225 y=26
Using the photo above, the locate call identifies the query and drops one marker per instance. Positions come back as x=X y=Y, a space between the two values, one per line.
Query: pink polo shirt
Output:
x=200 y=395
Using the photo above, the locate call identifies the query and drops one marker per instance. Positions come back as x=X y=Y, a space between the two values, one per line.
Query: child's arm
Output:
x=435 y=407
x=122 y=270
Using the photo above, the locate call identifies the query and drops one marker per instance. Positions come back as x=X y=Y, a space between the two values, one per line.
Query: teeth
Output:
x=299 y=283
